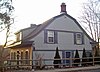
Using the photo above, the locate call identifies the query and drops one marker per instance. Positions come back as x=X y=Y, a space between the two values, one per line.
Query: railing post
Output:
x=93 y=57
x=70 y=59
x=93 y=60
x=10 y=64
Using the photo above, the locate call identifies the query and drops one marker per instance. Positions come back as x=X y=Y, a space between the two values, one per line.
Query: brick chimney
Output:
x=63 y=8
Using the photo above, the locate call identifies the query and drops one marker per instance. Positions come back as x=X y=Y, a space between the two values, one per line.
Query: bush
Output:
x=97 y=59
x=4 y=56
x=57 y=56
x=84 y=56
x=90 y=59
x=76 y=60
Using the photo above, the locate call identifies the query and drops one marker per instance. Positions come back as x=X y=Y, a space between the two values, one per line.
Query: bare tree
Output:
x=39 y=61
x=6 y=21
x=91 y=18
x=4 y=55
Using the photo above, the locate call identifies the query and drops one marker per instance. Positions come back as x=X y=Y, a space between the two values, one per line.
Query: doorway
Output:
x=66 y=54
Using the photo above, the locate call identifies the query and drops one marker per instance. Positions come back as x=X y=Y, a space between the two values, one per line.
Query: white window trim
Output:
x=18 y=36
x=79 y=41
x=50 y=36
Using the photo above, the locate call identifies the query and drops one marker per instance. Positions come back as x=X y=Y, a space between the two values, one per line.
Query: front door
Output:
x=68 y=54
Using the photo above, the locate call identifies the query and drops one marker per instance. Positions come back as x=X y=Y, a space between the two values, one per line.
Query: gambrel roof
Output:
x=42 y=26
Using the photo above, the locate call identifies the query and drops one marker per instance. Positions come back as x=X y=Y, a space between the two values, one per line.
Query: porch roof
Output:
x=22 y=44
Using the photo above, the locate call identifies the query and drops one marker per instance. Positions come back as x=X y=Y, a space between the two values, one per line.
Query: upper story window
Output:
x=18 y=36
x=78 y=38
x=50 y=36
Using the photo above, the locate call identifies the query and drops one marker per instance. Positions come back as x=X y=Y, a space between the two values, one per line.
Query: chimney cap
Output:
x=63 y=8
x=63 y=3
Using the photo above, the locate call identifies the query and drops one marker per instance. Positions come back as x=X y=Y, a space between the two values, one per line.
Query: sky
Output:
x=37 y=11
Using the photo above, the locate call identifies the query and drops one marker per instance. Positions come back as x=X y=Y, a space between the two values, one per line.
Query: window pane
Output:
x=78 y=38
x=79 y=42
x=18 y=36
x=50 y=36
x=50 y=39
x=50 y=33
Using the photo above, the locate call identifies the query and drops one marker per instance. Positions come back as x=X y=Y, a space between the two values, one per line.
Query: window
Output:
x=27 y=57
x=78 y=38
x=18 y=36
x=50 y=36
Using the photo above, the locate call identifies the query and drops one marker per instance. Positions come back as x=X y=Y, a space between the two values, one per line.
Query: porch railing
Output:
x=42 y=63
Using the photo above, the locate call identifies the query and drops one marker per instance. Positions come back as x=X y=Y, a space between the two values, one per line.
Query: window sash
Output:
x=50 y=38
x=78 y=38
x=18 y=36
x=79 y=41
x=50 y=33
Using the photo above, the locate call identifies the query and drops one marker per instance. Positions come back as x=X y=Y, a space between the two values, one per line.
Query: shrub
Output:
x=83 y=58
x=4 y=55
x=97 y=55
x=57 y=56
x=76 y=60
x=90 y=59
x=39 y=63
